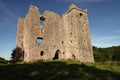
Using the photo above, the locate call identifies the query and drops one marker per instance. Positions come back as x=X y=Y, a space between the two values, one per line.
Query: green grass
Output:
x=60 y=70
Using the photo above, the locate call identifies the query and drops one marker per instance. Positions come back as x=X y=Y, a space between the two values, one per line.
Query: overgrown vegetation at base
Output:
x=60 y=70
x=100 y=54
x=106 y=54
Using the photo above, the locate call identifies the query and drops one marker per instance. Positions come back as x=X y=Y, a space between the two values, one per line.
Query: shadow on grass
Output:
x=55 y=71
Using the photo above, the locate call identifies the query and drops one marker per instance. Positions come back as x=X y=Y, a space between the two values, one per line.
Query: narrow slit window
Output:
x=42 y=19
x=41 y=53
x=62 y=42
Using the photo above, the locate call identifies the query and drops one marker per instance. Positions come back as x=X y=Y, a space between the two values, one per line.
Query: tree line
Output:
x=106 y=54
x=100 y=54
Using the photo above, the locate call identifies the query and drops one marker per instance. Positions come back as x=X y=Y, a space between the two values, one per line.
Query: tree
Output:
x=17 y=54
x=2 y=60
x=107 y=54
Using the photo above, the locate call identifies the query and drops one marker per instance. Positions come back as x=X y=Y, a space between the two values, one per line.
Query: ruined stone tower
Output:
x=49 y=36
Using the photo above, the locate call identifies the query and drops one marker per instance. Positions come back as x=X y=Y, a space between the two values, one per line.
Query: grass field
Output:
x=60 y=70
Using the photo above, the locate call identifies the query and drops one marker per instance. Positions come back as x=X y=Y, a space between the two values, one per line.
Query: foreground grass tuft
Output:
x=60 y=70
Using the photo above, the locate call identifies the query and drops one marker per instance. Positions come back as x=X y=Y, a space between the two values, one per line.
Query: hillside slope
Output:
x=60 y=70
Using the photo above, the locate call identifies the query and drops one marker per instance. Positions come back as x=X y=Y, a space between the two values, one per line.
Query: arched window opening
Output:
x=73 y=56
x=56 y=56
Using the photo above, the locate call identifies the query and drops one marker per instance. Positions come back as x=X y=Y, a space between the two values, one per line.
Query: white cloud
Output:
x=106 y=44
x=105 y=41
x=109 y=38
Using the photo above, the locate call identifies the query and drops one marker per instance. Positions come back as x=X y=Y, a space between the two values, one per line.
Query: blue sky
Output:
x=104 y=19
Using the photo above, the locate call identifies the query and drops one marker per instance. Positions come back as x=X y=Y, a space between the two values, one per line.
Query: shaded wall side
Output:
x=84 y=40
x=88 y=41
x=26 y=37
x=19 y=40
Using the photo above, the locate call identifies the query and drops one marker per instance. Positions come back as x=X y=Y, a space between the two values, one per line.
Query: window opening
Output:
x=41 y=53
x=39 y=40
x=42 y=19
x=62 y=42
x=73 y=56
x=81 y=14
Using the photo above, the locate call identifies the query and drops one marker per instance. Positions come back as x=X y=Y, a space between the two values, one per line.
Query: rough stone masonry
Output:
x=49 y=36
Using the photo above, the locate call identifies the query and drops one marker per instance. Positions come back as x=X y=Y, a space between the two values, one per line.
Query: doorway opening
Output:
x=56 y=56
x=73 y=56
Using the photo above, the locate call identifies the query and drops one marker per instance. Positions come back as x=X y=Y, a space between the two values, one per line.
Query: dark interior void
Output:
x=56 y=56
x=73 y=56
x=81 y=14
x=42 y=53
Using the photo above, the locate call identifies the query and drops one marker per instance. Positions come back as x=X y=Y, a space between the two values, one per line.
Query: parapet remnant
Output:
x=49 y=36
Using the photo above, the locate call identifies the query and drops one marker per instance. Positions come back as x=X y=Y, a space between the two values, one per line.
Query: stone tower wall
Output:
x=19 y=40
x=51 y=33
x=64 y=37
